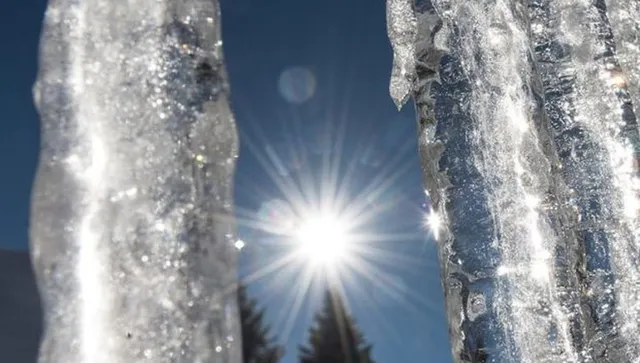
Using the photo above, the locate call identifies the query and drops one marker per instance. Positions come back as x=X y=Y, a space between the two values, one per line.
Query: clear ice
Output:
x=402 y=28
x=131 y=230
x=529 y=148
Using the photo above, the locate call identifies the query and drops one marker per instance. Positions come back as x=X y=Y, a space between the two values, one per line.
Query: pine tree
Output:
x=257 y=345
x=334 y=338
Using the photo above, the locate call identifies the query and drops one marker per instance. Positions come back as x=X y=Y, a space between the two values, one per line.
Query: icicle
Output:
x=506 y=246
x=530 y=147
x=596 y=134
x=555 y=70
x=401 y=28
x=624 y=16
x=130 y=225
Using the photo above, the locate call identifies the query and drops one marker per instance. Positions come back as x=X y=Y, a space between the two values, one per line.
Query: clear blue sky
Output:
x=342 y=44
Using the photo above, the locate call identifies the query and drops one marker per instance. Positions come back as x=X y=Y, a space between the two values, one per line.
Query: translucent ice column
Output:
x=529 y=147
x=624 y=16
x=130 y=225
x=595 y=131
x=489 y=172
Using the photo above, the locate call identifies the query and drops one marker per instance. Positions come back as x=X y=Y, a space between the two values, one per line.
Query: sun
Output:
x=320 y=222
x=322 y=240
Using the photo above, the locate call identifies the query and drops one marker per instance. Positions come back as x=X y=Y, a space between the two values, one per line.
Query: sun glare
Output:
x=434 y=222
x=322 y=239
x=329 y=222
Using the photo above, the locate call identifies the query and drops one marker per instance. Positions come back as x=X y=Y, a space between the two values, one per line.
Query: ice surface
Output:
x=499 y=205
x=528 y=142
x=131 y=235
x=401 y=28
x=624 y=16
x=596 y=134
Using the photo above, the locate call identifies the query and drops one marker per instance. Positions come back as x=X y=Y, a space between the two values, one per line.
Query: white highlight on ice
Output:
x=90 y=261
x=434 y=222
x=239 y=244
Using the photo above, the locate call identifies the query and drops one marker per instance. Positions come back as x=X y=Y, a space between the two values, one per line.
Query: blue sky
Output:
x=309 y=84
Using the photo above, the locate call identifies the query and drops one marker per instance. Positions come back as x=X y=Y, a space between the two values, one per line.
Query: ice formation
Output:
x=131 y=235
x=401 y=27
x=529 y=142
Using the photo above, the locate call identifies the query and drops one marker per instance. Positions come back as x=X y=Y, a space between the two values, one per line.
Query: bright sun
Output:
x=324 y=228
x=322 y=239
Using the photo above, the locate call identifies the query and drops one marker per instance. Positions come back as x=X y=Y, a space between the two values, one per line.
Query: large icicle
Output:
x=530 y=148
x=596 y=135
x=490 y=170
x=624 y=16
x=515 y=163
x=130 y=228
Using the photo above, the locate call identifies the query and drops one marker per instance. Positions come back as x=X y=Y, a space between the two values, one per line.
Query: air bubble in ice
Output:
x=476 y=305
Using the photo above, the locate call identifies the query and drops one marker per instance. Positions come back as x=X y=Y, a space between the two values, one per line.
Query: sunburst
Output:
x=324 y=220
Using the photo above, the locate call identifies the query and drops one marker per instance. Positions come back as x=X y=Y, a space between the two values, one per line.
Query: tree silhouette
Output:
x=257 y=345
x=334 y=338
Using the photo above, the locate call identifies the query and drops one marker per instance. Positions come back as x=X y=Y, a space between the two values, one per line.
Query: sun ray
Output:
x=387 y=237
x=373 y=314
x=379 y=278
x=328 y=197
x=371 y=311
x=350 y=170
x=374 y=190
x=268 y=269
x=301 y=288
x=284 y=184
x=334 y=165
x=373 y=254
